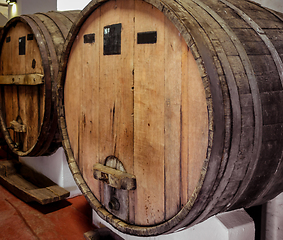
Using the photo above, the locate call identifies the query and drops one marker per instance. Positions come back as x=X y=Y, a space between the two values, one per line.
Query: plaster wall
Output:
x=65 y=5
x=276 y=5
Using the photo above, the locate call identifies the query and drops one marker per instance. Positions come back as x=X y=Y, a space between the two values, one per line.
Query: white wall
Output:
x=64 y=5
x=276 y=5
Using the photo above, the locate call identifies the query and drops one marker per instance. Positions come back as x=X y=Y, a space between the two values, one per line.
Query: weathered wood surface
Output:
x=31 y=46
x=129 y=95
x=28 y=184
x=195 y=114
x=17 y=127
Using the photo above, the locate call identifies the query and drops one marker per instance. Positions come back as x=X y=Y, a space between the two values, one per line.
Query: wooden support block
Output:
x=22 y=79
x=114 y=178
x=233 y=225
x=17 y=127
x=28 y=184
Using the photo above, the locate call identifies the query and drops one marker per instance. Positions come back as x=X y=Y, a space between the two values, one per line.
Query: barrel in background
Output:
x=31 y=46
x=183 y=97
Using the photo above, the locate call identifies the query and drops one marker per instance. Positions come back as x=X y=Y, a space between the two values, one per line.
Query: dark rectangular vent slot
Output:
x=112 y=39
x=8 y=39
x=30 y=37
x=147 y=37
x=22 y=46
x=89 y=38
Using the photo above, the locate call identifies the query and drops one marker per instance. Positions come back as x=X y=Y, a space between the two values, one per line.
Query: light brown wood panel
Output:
x=72 y=95
x=198 y=124
x=108 y=87
x=149 y=117
x=124 y=107
x=116 y=81
x=185 y=126
x=89 y=141
x=172 y=101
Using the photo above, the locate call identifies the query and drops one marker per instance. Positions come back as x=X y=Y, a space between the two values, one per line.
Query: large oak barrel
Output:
x=171 y=111
x=31 y=46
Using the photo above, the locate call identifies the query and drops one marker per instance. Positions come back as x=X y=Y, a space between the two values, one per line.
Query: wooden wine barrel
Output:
x=171 y=111
x=31 y=46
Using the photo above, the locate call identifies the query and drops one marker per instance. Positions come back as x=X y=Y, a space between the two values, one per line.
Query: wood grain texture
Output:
x=203 y=113
x=172 y=115
x=140 y=110
x=149 y=117
x=90 y=85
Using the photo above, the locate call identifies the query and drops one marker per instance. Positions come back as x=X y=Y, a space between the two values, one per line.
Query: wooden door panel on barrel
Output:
x=141 y=100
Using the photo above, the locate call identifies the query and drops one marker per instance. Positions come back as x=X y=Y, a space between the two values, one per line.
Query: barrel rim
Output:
x=95 y=204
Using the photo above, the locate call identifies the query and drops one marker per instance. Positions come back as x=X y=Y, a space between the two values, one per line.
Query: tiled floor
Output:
x=67 y=219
